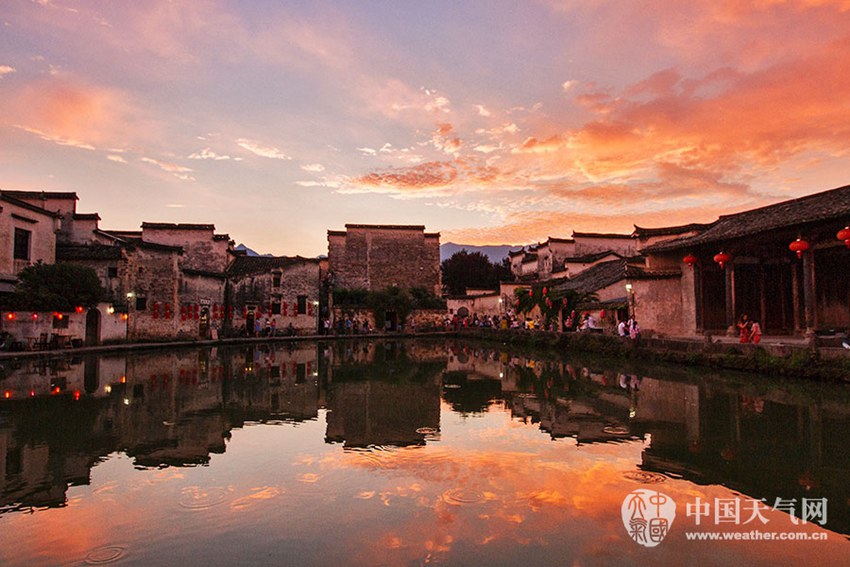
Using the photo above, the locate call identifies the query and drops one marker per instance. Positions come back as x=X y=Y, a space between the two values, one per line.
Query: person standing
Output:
x=755 y=333
x=744 y=327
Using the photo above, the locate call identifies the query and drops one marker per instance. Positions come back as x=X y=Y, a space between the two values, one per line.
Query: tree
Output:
x=464 y=270
x=56 y=287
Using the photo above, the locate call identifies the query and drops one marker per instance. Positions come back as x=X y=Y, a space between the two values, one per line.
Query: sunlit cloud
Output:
x=313 y=167
x=179 y=171
x=5 y=70
x=262 y=150
x=60 y=140
x=207 y=153
x=116 y=158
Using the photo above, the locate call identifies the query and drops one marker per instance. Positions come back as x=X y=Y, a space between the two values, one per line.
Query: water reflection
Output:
x=60 y=419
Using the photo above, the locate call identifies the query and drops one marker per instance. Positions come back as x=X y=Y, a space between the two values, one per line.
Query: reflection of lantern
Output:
x=799 y=246
x=722 y=259
x=545 y=290
x=602 y=314
x=690 y=260
x=844 y=234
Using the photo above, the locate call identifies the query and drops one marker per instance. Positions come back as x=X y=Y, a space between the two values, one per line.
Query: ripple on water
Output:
x=645 y=477
x=616 y=430
x=461 y=496
x=106 y=554
x=198 y=498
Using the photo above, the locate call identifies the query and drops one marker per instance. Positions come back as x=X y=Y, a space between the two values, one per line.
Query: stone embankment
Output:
x=779 y=356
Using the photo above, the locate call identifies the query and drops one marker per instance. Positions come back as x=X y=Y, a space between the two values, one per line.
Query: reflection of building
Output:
x=380 y=395
x=763 y=441
x=381 y=413
x=61 y=416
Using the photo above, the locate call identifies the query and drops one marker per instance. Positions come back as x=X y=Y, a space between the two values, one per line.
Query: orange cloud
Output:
x=69 y=112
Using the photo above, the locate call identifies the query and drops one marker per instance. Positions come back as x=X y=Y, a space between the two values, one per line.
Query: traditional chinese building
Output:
x=375 y=257
x=784 y=265
x=278 y=290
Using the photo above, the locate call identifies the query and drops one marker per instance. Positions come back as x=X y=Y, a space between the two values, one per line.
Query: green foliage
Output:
x=56 y=287
x=350 y=297
x=390 y=299
x=541 y=296
x=464 y=270
x=424 y=299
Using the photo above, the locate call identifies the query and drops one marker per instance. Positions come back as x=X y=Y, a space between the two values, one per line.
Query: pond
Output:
x=415 y=452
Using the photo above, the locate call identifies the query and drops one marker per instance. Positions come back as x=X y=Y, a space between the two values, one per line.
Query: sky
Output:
x=491 y=122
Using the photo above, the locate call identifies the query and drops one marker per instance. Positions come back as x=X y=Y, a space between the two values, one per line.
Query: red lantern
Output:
x=690 y=260
x=79 y=308
x=844 y=234
x=799 y=246
x=167 y=314
x=722 y=259
x=531 y=293
x=156 y=310
x=545 y=290
x=182 y=312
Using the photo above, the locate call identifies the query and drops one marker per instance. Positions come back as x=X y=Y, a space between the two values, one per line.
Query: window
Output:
x=302 y=304
x=112 y=272
x=22 y=244
x=275 y=280
x=276 y=308
x=141 y=303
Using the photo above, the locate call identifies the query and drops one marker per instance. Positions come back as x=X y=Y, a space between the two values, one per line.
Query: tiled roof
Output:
x=589 y=258
x=71 y=252
x=10 y=198
x=594 y=278
x=600 y=235
x=605 y=274
x=204 y=273
x=386 y=226
x=641 y=232
x=43 y=195
x=86 y=216
x=176 y=226
x=827 y=205
x=251 y=265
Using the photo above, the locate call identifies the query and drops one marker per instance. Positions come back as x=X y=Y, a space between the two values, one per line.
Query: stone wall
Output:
x=658 y=306
x=376 y=257
x=151 y=275
x=201 y=249
x=254 y=296
x=42 y=237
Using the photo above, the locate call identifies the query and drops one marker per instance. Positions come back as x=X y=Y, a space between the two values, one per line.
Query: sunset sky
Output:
x=491 y=122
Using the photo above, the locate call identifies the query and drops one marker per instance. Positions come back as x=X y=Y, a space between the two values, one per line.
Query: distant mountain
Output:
x=495 y=253
x=248 y=251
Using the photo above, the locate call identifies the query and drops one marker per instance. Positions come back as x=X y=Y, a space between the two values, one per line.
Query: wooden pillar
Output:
x=730 y=299
x=698 y=304
x=808 y=293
